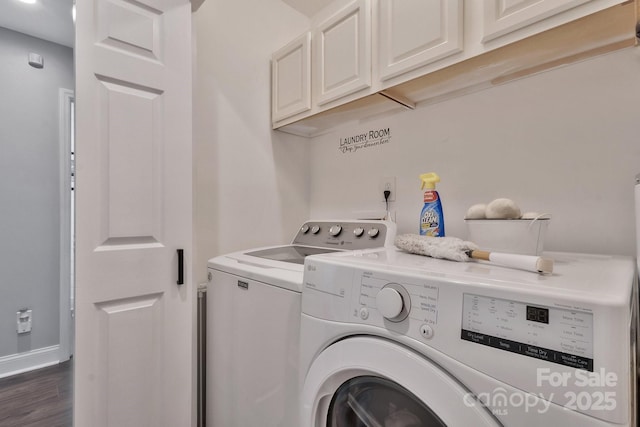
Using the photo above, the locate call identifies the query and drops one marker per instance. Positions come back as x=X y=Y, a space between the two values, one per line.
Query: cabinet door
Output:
x=414 y=33
x=291 y=79
x=342 y=52
x=504 y=16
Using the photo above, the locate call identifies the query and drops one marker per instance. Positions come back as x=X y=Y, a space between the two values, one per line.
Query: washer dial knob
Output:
x=358 y=231
x=304 y=229
x=315 y=229
x=389 y=303
x=335 y=230
x=373 y=233
x=393 y=302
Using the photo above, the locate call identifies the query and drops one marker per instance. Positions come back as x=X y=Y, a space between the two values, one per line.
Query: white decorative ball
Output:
x=502 y=209
x=476 y=211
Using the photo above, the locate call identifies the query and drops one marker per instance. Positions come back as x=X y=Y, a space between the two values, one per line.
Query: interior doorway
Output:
x=35 y=241
x=36 y=232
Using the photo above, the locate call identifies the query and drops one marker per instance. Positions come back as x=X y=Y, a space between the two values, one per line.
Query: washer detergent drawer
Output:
x=252 y=353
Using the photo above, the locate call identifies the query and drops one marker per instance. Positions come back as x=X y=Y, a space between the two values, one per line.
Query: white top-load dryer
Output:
x=394 y=339
x=253 y=323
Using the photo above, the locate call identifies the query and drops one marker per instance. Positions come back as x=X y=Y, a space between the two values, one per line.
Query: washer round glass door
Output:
x=371 y=382
x=369 y=401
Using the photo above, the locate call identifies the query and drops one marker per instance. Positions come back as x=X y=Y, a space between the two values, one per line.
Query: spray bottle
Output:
x=431 y=217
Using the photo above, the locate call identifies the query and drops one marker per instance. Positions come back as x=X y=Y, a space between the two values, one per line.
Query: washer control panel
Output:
x=396 y=303
x=346 y=235
x=548 y=333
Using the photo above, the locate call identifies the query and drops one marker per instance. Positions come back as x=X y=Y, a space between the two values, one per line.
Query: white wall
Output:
x=251 y=183
x=566 y=142
x=29 y=188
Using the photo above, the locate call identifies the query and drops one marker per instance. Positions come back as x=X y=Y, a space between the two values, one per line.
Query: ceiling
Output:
x=51 y=19
x=47 y=19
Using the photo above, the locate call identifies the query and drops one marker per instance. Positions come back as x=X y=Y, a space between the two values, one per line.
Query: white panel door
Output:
x=504 y=16
x=342 y=52
x=133 y=358
x=291 y=78
x=414 y=33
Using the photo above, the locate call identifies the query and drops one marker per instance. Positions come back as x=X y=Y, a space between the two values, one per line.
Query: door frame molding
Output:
x=66 y=97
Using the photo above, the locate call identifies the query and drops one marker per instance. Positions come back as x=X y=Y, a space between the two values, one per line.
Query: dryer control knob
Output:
x=389 y=303
x=373 y=233
x=335 y=230
x=315 y=229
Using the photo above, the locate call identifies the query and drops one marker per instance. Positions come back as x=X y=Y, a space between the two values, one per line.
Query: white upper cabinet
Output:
x=342 y=53
x=414 y=33
x=506 y=16
x=291 y=78
x=366 y=57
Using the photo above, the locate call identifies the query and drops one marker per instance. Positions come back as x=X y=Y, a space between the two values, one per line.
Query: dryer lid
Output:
x=294 y=254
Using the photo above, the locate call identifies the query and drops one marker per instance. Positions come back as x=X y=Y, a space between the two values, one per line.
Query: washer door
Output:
x=370 y=382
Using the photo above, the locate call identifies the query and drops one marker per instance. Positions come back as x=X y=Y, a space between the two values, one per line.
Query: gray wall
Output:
x=29 y=188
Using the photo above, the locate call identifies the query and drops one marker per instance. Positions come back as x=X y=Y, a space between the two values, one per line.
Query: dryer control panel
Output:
x=346 y=235
x=547 y=333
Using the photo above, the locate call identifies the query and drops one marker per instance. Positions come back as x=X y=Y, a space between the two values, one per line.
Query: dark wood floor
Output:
x=41 y=398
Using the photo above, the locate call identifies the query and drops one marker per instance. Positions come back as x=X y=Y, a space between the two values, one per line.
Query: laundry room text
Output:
x=366 y=139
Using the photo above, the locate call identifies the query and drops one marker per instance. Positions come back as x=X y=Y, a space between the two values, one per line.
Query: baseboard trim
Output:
x=22 y=362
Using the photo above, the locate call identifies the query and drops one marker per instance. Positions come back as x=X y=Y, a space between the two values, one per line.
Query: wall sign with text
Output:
x=368 y=139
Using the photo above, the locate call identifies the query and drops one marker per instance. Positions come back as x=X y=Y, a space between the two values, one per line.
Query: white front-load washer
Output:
x=253 y=323
x=392 y=339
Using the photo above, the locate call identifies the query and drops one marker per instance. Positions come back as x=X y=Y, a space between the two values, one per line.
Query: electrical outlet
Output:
x=387 y=183
x=23 y=321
